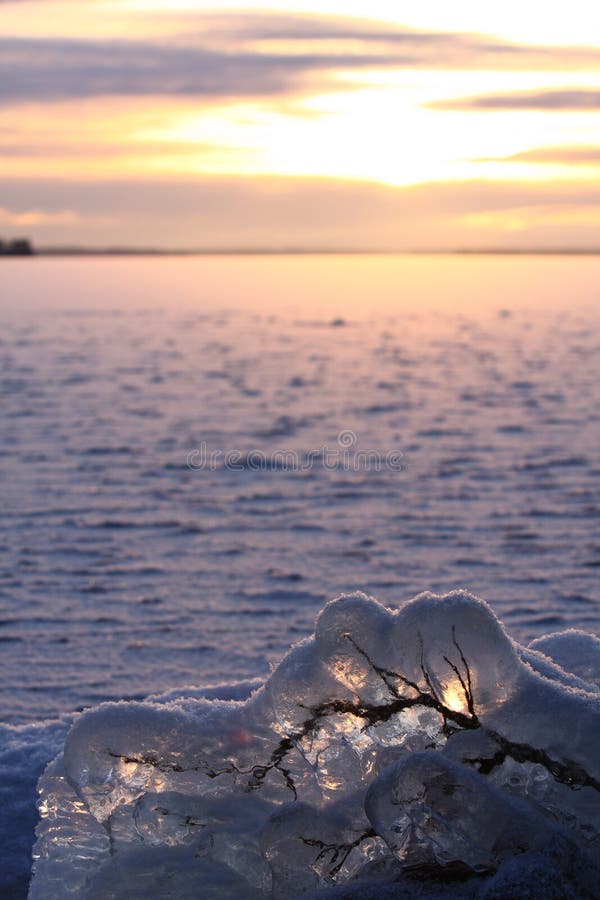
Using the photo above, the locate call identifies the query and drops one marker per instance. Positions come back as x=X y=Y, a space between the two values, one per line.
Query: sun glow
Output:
x=454 y=698
x=351 y=134
x=427 y=94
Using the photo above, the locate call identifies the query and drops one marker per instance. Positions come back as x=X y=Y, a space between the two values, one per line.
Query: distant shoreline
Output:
x=308 y=251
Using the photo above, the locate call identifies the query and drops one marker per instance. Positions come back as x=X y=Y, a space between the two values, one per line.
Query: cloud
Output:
x=256 y=55
x=14 y=149
x=45 y=70
x=584 y=155
x=405 y=46
x=35 y=217
x=434 y=49
x=569 y=99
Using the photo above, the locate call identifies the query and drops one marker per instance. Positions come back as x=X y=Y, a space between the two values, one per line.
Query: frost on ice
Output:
x=404 y=750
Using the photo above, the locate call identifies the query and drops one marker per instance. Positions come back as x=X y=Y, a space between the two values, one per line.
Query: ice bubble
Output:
x=432 y=812
x=353 y=638
x=456 y=642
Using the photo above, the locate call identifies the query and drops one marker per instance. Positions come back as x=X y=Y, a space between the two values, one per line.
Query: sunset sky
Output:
x=381 y=125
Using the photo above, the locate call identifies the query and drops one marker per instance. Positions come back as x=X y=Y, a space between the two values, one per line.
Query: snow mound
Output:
x=419 y=752
x=575 y=651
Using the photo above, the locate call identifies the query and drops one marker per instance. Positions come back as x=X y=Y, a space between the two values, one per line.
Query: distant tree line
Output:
x=16 y=247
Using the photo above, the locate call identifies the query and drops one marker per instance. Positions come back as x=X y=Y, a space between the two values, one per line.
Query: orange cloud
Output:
x=34 y=217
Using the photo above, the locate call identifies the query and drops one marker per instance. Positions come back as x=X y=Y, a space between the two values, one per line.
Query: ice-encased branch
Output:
x=339 y=852
x=568 y=772
x=423 y=698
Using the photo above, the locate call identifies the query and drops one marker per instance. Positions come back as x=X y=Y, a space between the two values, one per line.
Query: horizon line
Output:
x=57 y=250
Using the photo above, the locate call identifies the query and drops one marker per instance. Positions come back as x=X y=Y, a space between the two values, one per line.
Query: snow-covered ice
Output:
x=415 y=751
x=124 y=572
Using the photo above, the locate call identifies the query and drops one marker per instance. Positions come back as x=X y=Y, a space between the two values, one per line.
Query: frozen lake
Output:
x=469 y=387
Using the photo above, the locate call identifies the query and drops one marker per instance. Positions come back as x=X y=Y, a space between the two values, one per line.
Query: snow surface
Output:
x=124 y=572
x=395 y=753
x=24 y=754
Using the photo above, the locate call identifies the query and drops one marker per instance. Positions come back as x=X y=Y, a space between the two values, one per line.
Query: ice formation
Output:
x=394 y=753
